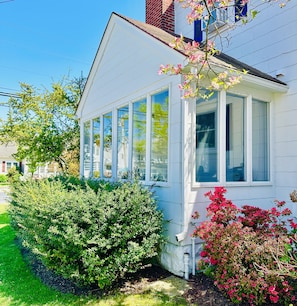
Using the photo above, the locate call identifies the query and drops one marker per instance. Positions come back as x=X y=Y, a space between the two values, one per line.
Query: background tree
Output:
x=43 y=125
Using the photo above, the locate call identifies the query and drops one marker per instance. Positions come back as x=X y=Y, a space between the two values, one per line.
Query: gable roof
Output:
x=7 y=151
x=221 y=59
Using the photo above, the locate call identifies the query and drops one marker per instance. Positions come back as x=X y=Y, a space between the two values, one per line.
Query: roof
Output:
x=220 y=59
x=6 y=151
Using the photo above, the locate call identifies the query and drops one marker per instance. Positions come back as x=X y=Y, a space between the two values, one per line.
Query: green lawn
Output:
x=19 y=287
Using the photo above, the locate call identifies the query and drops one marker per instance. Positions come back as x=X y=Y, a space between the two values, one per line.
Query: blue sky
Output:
x=43 y=40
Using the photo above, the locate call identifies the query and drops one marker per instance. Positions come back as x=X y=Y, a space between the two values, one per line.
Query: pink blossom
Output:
x=274 y=298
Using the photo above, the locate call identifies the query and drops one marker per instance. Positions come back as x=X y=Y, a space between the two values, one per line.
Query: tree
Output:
x=43 y=124
x=199 y=71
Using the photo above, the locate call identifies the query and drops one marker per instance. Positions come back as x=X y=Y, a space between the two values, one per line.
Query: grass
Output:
x=18 y=286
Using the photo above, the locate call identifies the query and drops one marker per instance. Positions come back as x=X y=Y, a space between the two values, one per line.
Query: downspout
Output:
x=182 y=235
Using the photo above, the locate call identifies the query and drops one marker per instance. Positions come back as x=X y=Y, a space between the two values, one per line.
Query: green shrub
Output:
x=239 y=250
x=3 y=178
x=89 y=237
x=13 y=175
x=74 y=182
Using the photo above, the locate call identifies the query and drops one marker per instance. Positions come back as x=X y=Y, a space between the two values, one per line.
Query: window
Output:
x=222 y=126
x=96 y=147
x=132 y=139
x=235 y=138
x=123 y=142
x=86 y=148
x=107 y=145
x=206 y=139
x=260 y=128
x=139 y=139
x=220 y=16
x=159 y=137
x=217 y=19
x=10 y=165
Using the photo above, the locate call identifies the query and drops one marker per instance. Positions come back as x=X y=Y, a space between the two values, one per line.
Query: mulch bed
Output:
x=202 y=290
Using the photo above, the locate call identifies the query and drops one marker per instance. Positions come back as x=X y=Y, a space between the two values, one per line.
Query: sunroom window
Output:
x=130 y=141
x=123 y=142
x=139 y=139
x=260 y=134
x=159 y=137
x=206 y=139
x=107 y=145
x=86 y=149
x=96 y=147
x=235 y=138
x=222 y=145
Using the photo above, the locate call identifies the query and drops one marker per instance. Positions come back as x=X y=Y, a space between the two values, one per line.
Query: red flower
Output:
x=213 y=261
x=293 y=225
x=272 y=290
x=274 y=298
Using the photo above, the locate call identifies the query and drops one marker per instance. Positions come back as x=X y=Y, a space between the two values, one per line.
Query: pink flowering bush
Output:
x=238 y=244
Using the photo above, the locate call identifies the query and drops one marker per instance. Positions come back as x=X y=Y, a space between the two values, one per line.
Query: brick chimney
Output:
x=160 y=13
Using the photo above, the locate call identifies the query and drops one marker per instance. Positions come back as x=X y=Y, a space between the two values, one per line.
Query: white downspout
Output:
x=186 y=263
x=193 y=256
x=186 y=107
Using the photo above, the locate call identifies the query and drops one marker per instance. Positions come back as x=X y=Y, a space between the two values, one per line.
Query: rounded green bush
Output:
x=3 y=178
x=90 y=237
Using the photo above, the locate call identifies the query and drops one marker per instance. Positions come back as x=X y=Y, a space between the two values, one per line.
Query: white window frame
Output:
x=222 y=181
x=114 y=112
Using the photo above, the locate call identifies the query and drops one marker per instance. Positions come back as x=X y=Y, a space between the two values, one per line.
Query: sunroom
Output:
x=131 y=140
x=134 y=123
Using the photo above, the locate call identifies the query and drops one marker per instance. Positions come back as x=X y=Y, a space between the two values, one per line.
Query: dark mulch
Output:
x=131 y=284
x=202 y=290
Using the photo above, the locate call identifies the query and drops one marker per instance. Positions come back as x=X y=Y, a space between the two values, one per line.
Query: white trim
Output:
x=249 y=139
x=264 y=83
x=130 y=137
x=101 y=146
x=148 y=138
x=222 y=180
x=222 y=102
x=114 y=153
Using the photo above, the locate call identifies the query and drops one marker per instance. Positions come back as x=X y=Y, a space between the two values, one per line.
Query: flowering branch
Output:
x=202 y=69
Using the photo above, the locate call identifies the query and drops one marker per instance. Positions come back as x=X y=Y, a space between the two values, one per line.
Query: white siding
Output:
x=269 y=43
x=126 y=69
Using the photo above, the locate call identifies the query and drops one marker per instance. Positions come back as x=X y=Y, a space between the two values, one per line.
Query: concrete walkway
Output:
x=4 y=191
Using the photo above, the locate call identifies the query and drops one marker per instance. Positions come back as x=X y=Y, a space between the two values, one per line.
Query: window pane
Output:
x=87 y=159
x=206 y=139
x=96 y=147
x=260 y=136
x=159 y=137
x=235 y=138
x=123 y=148
x=139 y=139
x=107 y=148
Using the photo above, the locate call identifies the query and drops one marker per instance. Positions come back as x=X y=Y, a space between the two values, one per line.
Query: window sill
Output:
x=197 y=185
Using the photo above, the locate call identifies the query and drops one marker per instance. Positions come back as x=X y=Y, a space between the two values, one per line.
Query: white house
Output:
x=134 y=120
x=6 y=157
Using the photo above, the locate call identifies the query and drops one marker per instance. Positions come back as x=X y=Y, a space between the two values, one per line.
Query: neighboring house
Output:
x=134 y=120
x=6 y=158
x=8 y=161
